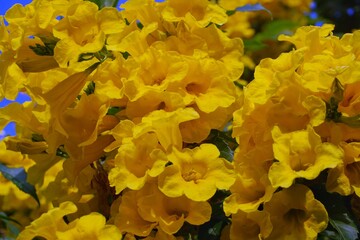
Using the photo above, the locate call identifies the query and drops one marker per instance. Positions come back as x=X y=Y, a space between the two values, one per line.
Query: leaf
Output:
x=271 y=31
x=18 y=177
x=328 y=235
x=222 y=142
x=114 y=110
x=90 y=88
x=225 y=150
x=253 y=7
x=11 y=224
x=5 y=218
x=344 y=226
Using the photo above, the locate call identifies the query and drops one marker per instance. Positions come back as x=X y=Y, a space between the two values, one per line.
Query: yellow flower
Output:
x=108 y=78
x=344 y=179
x=350 y=105
x=249 y=191
x=145 y=11
x=195 y=13
x=197 y=130
x=81 y=157
x=239 y=25
x=81 y=123
x=310 y=37
x=157 y=69
x=172 y=213
x=48 y=224
x=64 y=93
x=296 y=214
x=137 y=160
x=51 y=225
x=250 y=226
x=301 y=154
x=197 y=173
x=39 y=16
x=123 y=130
x=83 y=30
x=220 y=47
x=166 y=126
x=161 y=235
x=208 y=86
x=128 y=218
x=91 y=226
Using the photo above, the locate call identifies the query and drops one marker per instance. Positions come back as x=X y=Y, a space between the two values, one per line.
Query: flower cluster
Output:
x=121 y=104
x=127 y=132
x=298 y=125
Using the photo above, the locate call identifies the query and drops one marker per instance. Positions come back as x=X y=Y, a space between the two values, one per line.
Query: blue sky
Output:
x=6 y=4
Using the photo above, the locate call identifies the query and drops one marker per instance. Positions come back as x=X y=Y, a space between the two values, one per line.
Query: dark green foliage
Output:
x=18 y=177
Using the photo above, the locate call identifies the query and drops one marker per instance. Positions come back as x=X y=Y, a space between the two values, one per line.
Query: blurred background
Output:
x=345 y=14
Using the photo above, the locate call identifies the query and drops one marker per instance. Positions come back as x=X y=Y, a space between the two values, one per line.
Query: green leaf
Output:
x=343 y=225
x=114 y=110
x=12 y=225
x=328 y=235
x=90 y=88
x=225 y=150
x=223 y=142
x=5 y=218
x=18 y=177
x=48 y=48
x=253 y=8
x=254 y=44
x=270 y=31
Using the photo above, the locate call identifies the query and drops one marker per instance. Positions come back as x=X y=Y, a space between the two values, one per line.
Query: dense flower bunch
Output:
x=299 y=122
x=127 y=135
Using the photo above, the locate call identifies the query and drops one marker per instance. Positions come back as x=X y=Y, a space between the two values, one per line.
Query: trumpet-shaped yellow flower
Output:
x=83 y=30
x=166 y=126
x=137 y=160
x=64 y=93
x=207 y=86
x=344 y=179
x=172 y=213
x=350 y=105
x=296 y=214
x=301 y=154
x=51 y=225
x=197 y=130
x=127 y=217
x=197 y=173
x=157 y=69
x=197 y=13
x=81 y=123
x=91 y=226
x=250 y=226
x=249 y=191
x=161 y=235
